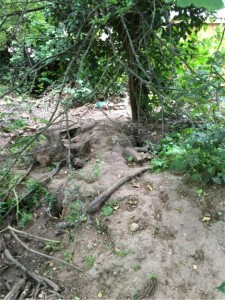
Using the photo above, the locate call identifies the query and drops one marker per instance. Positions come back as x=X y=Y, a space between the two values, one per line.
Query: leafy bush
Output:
x=198 y=152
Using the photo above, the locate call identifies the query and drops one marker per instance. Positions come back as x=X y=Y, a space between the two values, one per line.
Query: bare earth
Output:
x=161 y=240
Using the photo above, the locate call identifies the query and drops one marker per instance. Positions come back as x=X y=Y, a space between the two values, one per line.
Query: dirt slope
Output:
x=152 y=239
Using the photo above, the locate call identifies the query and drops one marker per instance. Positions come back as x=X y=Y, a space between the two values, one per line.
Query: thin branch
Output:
x=29 y=235
x=39 y=279
x=22 y=12
x=44 y=255
x=97 y=202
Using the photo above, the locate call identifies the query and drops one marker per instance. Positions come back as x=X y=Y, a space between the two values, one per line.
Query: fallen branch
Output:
x=26 y=292
x=42 y=254
x=39 y=279
x=13 y=294
x=29 y=235
x=97 y=202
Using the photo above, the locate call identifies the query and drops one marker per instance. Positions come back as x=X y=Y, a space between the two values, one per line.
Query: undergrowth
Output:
x=198 y=152
x=20 y=200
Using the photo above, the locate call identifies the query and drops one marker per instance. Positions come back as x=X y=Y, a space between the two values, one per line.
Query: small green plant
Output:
x=129 y=159
x=12 y=126
x=24 y=218
x=51 y=247
x=121 y=253
x=94 y=174
x=27 y=142
x=68 y=255
x=12 y=194
x=97 y=168
x=90 y=261
x=150 y=276
x=136 y=295
x=107 y=210
x=136 y=267
x=38 y=191
x=109 y=207
x=221 y=288
x=76 y=212
x=198 y=152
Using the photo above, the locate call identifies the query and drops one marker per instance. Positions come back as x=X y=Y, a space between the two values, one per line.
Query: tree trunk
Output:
x=137 y=90
x=133 y=97
x=132 y=64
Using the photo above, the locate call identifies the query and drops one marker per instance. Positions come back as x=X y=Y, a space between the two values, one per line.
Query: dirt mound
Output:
x=153 y=237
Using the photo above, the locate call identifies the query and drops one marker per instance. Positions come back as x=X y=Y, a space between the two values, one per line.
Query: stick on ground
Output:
x=42 y=254
x=97 y=202
x=39 y=279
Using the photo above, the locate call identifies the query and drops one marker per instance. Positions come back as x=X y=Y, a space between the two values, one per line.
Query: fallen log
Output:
x=97 y=202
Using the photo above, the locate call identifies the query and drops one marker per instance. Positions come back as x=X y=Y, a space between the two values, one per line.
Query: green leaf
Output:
x=217 y=180
x=107 y=211
x=208 y=4
x=221 y=288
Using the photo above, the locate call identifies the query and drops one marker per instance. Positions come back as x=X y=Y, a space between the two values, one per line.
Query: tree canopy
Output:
x=98 y=46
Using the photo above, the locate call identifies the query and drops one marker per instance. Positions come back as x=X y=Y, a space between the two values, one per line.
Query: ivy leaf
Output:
x=221 y=288
x=208 y=4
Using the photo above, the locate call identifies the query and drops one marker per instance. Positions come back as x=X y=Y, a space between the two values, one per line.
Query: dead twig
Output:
x=39 y=279
x=26 y=291
x=13 y=294
x=29 y=235
x=42 y=254
x=97 y=202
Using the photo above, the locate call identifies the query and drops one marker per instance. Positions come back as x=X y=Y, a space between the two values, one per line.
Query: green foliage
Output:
x=39 y=191
x=73 y=39
x=154 y=276
x=12 y=195
x=79 y=94
x=51 y=247
x=121 y=253
x=24 y=218
x=136 y=267
x=213 y=5
x=76 y=212
x=68 y=255
x=107 y=210
x=94 y=174
x=199 y=152
x=221 y=288
x=13 y=126
x=129 y=159
x=109 y=207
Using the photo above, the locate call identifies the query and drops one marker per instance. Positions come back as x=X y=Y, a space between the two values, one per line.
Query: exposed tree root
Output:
x=39 y=279
x=29 y=235
x=42 y=254
x=16 y=289
x=97 y=202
